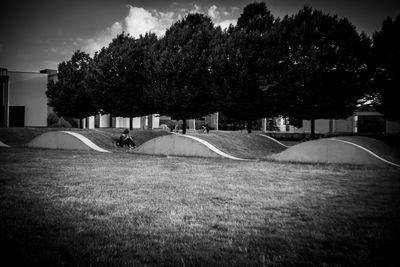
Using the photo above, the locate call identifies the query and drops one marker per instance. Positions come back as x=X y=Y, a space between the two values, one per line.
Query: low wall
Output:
x=291 y=136
x=180 y=145
x=64 y=140
x=3 y=145
x=328 y=151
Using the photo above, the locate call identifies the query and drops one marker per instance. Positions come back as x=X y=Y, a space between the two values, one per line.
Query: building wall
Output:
x=351 y=125
x=392 y=127
x=121 y=122
x=321 y=126
x=136 y=122
x=3 y=97
x=212 y=120
x=91 y=121
x=104 y=121
x=345 y=125
x=156 y=121
x=28 y=90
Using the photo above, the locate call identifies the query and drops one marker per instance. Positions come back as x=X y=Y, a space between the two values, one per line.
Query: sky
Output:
x=37 y=35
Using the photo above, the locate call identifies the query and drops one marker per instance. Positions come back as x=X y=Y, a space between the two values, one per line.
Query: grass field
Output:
x=391 y=153
x=103 y=137
x=74 y=208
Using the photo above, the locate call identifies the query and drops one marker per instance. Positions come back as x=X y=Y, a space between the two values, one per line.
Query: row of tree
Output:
x=310 y=65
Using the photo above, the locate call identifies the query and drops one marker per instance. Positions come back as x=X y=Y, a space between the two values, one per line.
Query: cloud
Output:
x=140 y=21
x=91 y=45
x=220 y=16
x=195 y=9
x=225 y=23
x=213 y=12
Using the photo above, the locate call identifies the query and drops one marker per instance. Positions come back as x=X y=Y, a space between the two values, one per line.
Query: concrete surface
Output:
x=274 y=140
x=3 y=145
x=64 y=140
x=182 y=145
x=330 y=150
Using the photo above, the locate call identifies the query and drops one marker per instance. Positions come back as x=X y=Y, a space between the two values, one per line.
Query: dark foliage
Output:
x=320 y=76
x=245 y=55
x=182 y=70
x=386 y=66
x=69 y=95
x=119 y=77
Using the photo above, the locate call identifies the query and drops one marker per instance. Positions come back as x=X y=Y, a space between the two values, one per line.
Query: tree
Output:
x=319 y=77
x=385 y=62
x=69 y=95
x=256 y=18
x=118 y=76
x=244 y=56
x=182 y=83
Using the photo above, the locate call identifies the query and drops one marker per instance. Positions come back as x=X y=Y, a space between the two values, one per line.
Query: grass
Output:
x=391 y=153
x=107 y=137
x=77 y=208
x=103 y=137
x=21 y=136
x=242 y=144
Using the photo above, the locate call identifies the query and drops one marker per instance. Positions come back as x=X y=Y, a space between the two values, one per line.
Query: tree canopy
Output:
x=69 y=95
x=310 y=65
x=118 y=76
x=182 y=84
x=386 y=64
x=256 y=17
x=319 y=76
x=244 y=55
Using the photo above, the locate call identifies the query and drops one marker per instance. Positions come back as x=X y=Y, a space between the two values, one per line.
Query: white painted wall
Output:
x=345 y=125
x=156 y=121
x=121 y=122
x=321 y=126
x=143 y=122
x=91 y=122
x=28 y=90
x=192 y=124
x=136 y=123
x=105 y=121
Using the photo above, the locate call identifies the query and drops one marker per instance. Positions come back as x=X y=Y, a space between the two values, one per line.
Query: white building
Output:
x=364 y=120
x=24 y=103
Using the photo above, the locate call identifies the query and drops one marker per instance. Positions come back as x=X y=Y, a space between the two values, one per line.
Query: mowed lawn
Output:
x=85 y=208
x=103 y=137
x=241 y=144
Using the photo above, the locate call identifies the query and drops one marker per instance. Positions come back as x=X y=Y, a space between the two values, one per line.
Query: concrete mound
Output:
x=64 y=140
x=3 y=145
x=181 y=145
x=331 y=150
x=274 y=140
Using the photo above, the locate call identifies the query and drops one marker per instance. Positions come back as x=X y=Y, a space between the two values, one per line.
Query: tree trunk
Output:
x=184 y=126
x=312 y=135
x=130 y=123
x=249 y=126
x=81 y=123
x=110 y=120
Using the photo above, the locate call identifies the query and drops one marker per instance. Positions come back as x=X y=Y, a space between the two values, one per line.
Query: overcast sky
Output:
x=35 y=35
